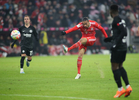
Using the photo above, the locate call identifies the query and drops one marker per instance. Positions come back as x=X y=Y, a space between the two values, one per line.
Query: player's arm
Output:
x=71 y=30
x=101 y=29
x=123 y=32
x=35 y=34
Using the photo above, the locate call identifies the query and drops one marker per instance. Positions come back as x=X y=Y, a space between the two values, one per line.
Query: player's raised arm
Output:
x=71 y=30
x=102 y=29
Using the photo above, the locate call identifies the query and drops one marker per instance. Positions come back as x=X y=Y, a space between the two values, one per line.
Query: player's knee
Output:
x=83 y=40
x=22 y=59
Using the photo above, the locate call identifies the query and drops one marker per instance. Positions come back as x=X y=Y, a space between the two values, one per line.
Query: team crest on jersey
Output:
x=79 y=25
x=91 y=29
x=23 y=51
x=30 y=31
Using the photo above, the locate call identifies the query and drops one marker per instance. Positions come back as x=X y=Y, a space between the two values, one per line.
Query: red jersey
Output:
x=88 y=32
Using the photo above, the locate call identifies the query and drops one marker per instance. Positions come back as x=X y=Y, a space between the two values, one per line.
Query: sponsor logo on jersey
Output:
x=92 y=22
x=27 y=35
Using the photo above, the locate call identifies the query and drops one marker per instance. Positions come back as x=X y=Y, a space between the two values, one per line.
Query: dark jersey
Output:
x=27 y=35
x=119 y=34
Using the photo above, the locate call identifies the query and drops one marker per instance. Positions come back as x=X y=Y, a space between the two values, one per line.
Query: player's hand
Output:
x=113 y=48
x=63 y=33
x=108 y=39
x=12 y=45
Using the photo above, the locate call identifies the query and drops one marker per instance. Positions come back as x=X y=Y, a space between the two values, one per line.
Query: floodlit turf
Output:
x=52 y=78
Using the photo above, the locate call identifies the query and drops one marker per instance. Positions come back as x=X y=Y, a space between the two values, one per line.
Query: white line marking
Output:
x=46 y=96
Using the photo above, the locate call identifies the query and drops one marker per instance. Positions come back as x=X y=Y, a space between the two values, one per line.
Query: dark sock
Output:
x=117 y=77
x=29 y=60
x=124 y=75
x=22 y=62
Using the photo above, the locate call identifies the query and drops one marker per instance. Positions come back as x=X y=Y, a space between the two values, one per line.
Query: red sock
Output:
x=77 y=44
x=79 y=64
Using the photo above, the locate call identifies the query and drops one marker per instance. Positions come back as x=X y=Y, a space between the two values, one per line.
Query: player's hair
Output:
x=26 y=16
x=85 y=19
x=114 y=8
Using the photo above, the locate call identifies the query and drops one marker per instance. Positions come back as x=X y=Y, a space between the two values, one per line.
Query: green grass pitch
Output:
x=52 y=78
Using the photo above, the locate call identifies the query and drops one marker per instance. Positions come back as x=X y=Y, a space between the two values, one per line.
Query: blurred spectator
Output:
x=14 y=21
x=2 y=42
x=50 y=22
x=76 y=38
x=30 y=8
x=85 y=11
x=5 y=11
x=6 y=21
x=7 y=41
x=134 y=31
x=94 y=13
x=20 y=24
x=34 y=16
x=44 y=41
x=73 y=13
x=64 y=41
x=11 y=11
x=58 y=23
x=1 y=22
x=10 y=24
x=53 y=40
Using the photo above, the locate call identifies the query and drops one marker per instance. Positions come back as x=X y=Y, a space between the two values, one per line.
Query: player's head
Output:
x=26 y=20
x=113 y=10
x=85 y=22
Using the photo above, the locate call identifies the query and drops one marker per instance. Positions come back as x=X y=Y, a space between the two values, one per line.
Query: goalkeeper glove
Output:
x=63 y=33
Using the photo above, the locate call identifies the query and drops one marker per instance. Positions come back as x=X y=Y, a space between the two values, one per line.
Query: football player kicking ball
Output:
x=118 y=52
x=87 y=28
x=27 y=32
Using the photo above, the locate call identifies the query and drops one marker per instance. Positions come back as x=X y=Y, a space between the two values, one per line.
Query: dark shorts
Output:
x=118 y=56
x=27 y=51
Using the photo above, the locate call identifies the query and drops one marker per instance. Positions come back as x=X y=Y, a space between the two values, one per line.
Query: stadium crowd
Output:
x=66 y=13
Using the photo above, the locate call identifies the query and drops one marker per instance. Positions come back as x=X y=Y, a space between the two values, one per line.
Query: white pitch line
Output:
x=46 y=96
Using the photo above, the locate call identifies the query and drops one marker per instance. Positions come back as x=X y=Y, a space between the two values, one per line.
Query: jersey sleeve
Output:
x=120 y=24
x=74 y=28
x=101 y=29
x=35 y=34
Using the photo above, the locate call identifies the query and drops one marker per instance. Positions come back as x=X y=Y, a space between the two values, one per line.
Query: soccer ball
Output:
x=15 y=34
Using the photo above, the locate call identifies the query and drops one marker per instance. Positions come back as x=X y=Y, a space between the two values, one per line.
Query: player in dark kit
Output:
x=118 y=52
x=27 y=32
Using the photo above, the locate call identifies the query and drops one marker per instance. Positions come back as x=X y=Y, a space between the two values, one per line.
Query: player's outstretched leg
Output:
x=22 y=64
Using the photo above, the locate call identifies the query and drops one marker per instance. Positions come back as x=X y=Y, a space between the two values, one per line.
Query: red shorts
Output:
x=90 y=42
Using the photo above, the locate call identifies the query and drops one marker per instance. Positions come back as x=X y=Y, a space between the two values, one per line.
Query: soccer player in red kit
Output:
x=87 y=28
